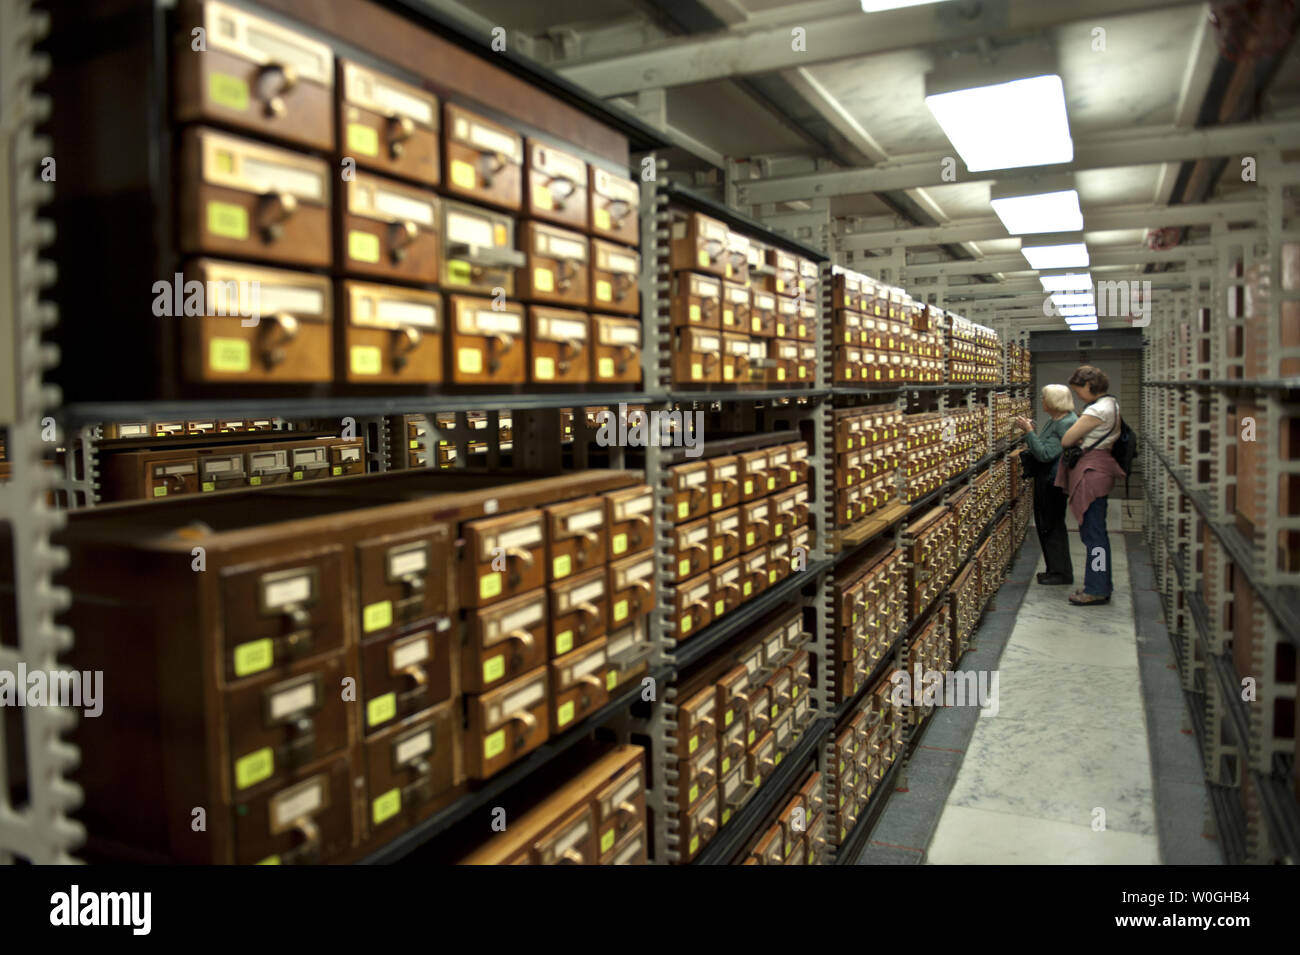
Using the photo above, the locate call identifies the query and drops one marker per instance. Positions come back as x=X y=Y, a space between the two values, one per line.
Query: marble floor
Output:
x=1062 y=773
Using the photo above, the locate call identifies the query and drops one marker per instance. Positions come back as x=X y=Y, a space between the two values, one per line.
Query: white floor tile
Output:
x=979 y=837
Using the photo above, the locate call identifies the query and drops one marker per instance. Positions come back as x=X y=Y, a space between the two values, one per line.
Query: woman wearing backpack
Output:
x=1087 y=473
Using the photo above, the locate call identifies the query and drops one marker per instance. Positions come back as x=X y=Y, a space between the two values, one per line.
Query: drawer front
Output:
x=787 y=317
x=697 y=356
x=487 y=345
x=241 y=198
x=166 y=475
x=631 y=588
x=698 y=243
x=699 y=826
x=557 y=267
x=630 y=517
x=306 y=821
x=689 y=484
x=402 y=578
x=692 y=606
x=392 y=335
x=691 y=552
x=754 y=572
x=753 y=475
x=278 y=611
x=479 y=252
x=222 y=469
x=733 y=791
x=762 y=757
x=579 y=611
x=572 y=841
x=760 y=715
x=277 y=725
x=578 y=685
x=615 y=350
x=504 y=641
x=576 y=532
x=755 y=525
x=615 y=273
x=736 y=308
x=615 y=202
x=484 y=160
x=631 y=850
x=780 y=472
x=408 y=766
x=726 y=582
x=404 y=674
x=505 y=724
x=557 y=185
x=762 y=315
x=388 y=125
x=560 y=346
x=263 y=325
x=257 y=75
x=391 y=230
x=696 y=722
x=696 y=776
x=696 y=300
x=724 y=482
x=736 y=260
x=628 y=652
x=504 y=557
x=735 y=358
x=620 y=806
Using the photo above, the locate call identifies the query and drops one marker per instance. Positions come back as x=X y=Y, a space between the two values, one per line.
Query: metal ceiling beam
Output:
x=725 y=54
x=1019 y=288
x=1095 y=219
x=1136 y=147
x=1015 y=262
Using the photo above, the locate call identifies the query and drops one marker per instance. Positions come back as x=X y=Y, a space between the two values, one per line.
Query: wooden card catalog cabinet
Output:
x=697 y=356
x=615 y=271
x=696 y=300
x=578 y=685
x=557 y=185
x=698 y=243
x=557 y=266
x=391 y=230
x=615 y=350
x=410 y=764
x=484 y=159
x=239 y=197
x=504 y=641
x=506 y=723
x=306 y=822
x=487 y=345
x=615 y=202
x=265 y=325
x=405 y=673
x=254 y=74
x=391 y=334
x=388 y=125
x=560 y=351
x=479 y=252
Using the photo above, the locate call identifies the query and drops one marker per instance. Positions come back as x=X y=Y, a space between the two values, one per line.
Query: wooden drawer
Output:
x=753 y=475
x=736 y=358
x=557 y=185
x=783 y=361
x=616 y=350
x=631 y=588
x=408 y=766
x=615 y=202
x=696 y=300
x=725 y=587
x=784 y=277
x=479 y=254
x=628 y=652
x=578 y=685
x=754 y=572
x=504 y=641
x=392 y=335
x=484 y=159
x=736 y=308
x=787 y=317
x=692 y=606
x=725 y=529
x=756 y=524
x=242 y=198
x=762 y=314
x=557 y=269
x=275 y=326
x=781 y=473
x=505 y=724
x=735 y=263
x=254 y=74
x=698 y=243
x=406 y=673
x=391 y=230
x=571 y=842
x=403 y=577
x=388 y=125
x=724 y=482
x=629 y=515
x=559 y=340
x=579 y=609
x=615 y=276
x=691 y=551
x=487 y=344
x=576 y=532
x=504 y=556
x=621 y=807
x=307 y=821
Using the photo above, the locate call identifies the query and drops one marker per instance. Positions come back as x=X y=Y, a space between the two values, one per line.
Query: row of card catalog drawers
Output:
x=701 y=244
x=862 y=752
x=273 y=80
x=707 y=302
x=705 y=356
x=714 y=484
x=799 y=834
x=387 y=334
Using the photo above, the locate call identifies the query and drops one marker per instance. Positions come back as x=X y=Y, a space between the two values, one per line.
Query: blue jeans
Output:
x=1092 y=529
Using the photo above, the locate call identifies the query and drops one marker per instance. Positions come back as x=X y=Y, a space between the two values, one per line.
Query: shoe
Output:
x=1052 y=580
x=1087 y=600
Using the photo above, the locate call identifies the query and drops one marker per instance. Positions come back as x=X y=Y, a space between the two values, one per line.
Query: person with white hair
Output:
x=1044 y=456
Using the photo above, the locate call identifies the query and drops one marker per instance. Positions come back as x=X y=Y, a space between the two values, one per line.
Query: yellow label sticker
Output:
x=695 y=840
x=779 y=528
x=717 y=553
x=489 y=585
x=750 y=740
x=780 y=330
x=209 y=485
x=693 y=794
x=254 y=656
x=227 y=220
x=160 y=492
x=458 y=272
x=544 y=368
x=728 y=372
x=563 y=642
x=542 y=198
x=363 y=246
x=779 y=757
x=601 y=218
x=362 y=139
x=381 y=709
x=367 y=360
x=463 y=175
x=228 y=91
x=771 y=483
x=495 y=744
x=376 y=616
x=684 y=567
x=780 y=285
x=606 y=841
x=336 y=470
x=387 y=806
x=726 y=816
x=749 y=486
x=794 y=694
x=298 y=475
x=620 y=611
x=703 y=258
x=562 y=566
x=230 y=355
x=747 y=589
x=697 y=370
x=694 y=313
x=469 y=361
x=255 y=480
x=604 y=291
x=495 y=668
x=719 y=608
x=687 y=623
x=543 y=280
x=727 y=269
x=771 y=576
x=683 y=508
x=564 y=716
x=716 y=501
x=693 y=745
x=749 y=538
x=726 y=721
x=728 y=316
x=270 y=860
x=620 y=543
x=605 y=368
x=255 y=767
x=794 y=477
x=756 y=324
x=611 y=680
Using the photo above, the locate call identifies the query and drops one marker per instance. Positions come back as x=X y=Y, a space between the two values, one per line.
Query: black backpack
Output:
x=1124 y=450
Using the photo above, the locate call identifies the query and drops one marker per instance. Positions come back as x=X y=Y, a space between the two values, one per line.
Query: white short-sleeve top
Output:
x=1107 y=409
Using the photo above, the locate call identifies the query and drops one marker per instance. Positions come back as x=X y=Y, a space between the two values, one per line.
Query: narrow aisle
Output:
x=1069 y=739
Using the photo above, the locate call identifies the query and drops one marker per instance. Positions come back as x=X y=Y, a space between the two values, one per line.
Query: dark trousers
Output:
x=1096 y=544
x=1049 y=522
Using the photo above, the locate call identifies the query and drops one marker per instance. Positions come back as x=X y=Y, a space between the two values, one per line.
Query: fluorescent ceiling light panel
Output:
x=1066 y=282
x=1067 y=299
x=1084 y=328
x=1006 y=125
x=1075 y=311
x=1044 y=212
x=1068 y=255
x=1080 y=319
x=876 y=6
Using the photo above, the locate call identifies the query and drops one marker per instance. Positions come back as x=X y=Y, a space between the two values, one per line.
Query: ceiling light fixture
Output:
x=1066 y=282
x=1041 y=212
x=1060 y=250
x=877 y=6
